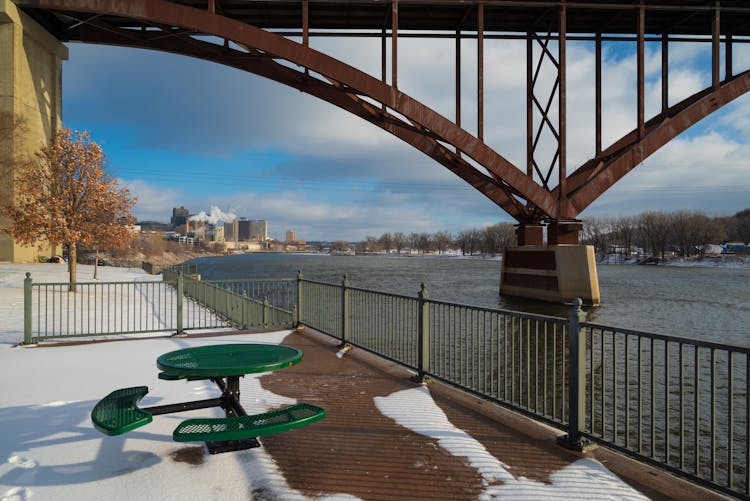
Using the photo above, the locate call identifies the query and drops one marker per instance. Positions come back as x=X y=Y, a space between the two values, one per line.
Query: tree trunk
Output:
x=72 y=267
x=96 y=264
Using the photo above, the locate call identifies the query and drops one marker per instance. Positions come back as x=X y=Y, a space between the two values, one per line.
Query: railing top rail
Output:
x=519 y=314
x=40 y=284
x=670 y=339
x=318 y=282
x=249 y=280
x=383 y=293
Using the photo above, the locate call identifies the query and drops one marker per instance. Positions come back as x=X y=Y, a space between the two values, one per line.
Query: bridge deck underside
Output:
x=691 y=17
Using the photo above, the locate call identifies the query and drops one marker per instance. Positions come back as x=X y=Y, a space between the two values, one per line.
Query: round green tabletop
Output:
x=228 y=359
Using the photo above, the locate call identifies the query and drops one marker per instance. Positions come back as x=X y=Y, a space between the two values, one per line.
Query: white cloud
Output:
x=154 y=202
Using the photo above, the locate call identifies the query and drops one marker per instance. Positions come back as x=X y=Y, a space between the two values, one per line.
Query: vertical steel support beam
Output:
x=641 y=71
x=394 y=44
x=383 y=69
x=306 y=28
x=529 y=105
x=383 y=65
x=728 y=69
x=27 y=309
x=562 y=107
x=664 y=72
x=305 y=23
x=716 y=48
x=458 y=82
x=480 y=71
x=598 y=92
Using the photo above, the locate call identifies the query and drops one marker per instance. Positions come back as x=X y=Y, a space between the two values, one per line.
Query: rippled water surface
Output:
x=712 y=304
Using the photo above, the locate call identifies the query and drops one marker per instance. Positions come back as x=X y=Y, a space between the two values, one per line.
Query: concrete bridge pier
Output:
x=30 y=108
x=558 y=271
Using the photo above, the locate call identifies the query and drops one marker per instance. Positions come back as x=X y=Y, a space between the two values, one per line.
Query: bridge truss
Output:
x=272 y=39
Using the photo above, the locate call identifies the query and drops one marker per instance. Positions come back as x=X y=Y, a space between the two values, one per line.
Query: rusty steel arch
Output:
x=172 y=27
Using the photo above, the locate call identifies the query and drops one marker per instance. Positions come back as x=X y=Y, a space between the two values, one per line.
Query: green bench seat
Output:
x=118 y=412
x=242 y=427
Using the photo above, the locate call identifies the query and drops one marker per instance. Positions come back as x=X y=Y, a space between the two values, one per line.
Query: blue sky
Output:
x=180 y=131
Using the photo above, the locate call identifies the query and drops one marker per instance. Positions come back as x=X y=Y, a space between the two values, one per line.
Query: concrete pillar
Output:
x=30 y=107
x=564 y=232
x=530 y=234
x=559 y=271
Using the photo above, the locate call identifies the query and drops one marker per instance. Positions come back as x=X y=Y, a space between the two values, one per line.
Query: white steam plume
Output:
x=214 y=217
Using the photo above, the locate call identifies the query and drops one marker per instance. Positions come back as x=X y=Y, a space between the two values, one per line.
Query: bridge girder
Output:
x=515 y=191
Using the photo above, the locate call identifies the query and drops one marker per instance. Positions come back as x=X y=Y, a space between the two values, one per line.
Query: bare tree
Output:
x=399 y=241
x=412 y=240
x=596 y=232
x=655 y=231
x=624 y=231
x=67 y=198
x=442 y=240
x=386 y=241
x=741 y=230
x=339 y=246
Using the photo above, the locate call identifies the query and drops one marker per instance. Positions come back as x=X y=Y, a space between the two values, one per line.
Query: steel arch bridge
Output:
x=271 y=39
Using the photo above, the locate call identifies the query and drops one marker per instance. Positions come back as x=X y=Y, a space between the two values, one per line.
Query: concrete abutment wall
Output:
x=30 y=108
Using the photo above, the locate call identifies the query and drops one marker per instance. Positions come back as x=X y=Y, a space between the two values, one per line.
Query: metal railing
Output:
x=51 y=312
x=177 y=304
x=680 y=404
x=248 y=304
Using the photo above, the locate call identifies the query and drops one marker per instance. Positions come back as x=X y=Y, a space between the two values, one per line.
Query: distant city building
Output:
x=243 y=230
x=180 y=216
x=231 y=231
x=246 y=230
x=258 y=230
x=291 y=235
x=216 y=234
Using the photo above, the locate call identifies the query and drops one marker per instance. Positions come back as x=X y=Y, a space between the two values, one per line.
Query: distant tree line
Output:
x=654 y=232
x=488 y=241
x=684 y=232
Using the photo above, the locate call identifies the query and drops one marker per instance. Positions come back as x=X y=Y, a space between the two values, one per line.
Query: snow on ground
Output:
x=49 y=449
x=585 y=479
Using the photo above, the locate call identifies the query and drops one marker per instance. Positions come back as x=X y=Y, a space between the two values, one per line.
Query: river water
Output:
x=711 y=303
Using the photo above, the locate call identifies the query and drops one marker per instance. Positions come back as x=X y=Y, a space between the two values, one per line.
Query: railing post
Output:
x=245 y=312
x=180 y=290
x=266 y=311
x=298 y=320
x=423 y=342
x=576 y=379
x=345 y=310
x=27 y=309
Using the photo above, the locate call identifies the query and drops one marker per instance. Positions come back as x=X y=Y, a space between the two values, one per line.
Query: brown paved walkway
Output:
x=357 y=450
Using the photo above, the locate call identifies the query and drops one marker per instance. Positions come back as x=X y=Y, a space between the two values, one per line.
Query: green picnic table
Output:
x=224 y=364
